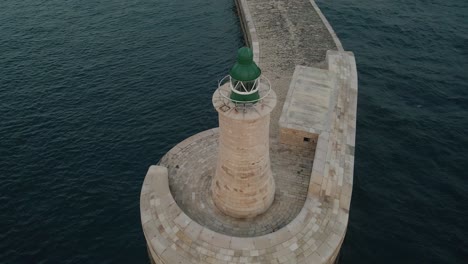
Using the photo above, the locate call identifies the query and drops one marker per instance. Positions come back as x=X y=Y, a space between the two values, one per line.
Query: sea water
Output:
x=94 y=92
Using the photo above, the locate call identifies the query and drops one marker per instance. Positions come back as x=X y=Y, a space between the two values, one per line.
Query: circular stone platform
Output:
x=191 y=165
x=178 y=232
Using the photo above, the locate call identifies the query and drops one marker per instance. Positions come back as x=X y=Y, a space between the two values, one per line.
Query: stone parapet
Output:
x=248 y=27
x=325 y=22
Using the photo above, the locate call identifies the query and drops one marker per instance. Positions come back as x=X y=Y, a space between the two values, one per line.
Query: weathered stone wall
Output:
x=298 y=138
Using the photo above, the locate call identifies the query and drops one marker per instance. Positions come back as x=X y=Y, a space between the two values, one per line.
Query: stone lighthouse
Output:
x=211 y=198
x=243 y=185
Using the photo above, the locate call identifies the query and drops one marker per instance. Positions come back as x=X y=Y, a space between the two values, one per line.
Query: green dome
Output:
x=245 y=68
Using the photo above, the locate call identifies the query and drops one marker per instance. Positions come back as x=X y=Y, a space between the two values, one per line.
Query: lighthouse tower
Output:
x=243 y=184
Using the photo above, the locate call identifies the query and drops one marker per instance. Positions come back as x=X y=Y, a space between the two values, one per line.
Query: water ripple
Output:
x=93 y=92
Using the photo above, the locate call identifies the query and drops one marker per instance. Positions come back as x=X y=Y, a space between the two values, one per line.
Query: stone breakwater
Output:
x=283 y=34
x=312 y=151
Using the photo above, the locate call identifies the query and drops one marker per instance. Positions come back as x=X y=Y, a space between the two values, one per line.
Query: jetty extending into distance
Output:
x=311 y=108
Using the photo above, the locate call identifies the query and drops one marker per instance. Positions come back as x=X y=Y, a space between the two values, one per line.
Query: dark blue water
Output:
x=93 y=92
x=410 y=198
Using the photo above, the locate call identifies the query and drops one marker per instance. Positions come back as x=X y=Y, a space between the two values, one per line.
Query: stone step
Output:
x=315 y=74
x=308 y=103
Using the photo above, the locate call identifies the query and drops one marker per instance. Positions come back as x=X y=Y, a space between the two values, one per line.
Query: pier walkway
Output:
x=286 y=33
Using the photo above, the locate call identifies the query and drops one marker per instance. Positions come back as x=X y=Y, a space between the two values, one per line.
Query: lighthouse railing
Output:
x=263 y=85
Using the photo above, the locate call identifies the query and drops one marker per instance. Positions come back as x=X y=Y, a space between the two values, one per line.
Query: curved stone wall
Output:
x=191 y=165
x=314 y=236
